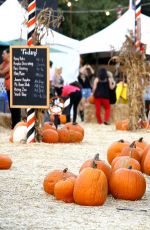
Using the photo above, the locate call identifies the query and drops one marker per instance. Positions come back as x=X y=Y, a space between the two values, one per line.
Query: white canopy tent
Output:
x=65 y=51
x=113 y=36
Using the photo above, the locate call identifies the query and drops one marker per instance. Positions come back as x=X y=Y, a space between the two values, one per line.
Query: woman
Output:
x=58 y=81
x=73 y=91
x=102 y=85
x=4 y=72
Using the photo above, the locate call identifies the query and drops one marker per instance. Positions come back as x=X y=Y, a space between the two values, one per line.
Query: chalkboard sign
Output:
x=29 y=77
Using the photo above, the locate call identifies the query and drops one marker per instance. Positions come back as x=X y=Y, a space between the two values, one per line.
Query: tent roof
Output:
x=113 y=36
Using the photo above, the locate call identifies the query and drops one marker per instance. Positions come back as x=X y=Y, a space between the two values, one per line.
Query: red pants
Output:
x=106 y=104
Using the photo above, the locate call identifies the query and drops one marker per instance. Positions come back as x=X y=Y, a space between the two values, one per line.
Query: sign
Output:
x=29 y=77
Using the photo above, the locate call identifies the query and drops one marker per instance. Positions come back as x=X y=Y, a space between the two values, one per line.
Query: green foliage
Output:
x=82 y=25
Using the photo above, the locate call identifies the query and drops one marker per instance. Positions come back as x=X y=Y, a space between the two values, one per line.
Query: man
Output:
x=5 y=72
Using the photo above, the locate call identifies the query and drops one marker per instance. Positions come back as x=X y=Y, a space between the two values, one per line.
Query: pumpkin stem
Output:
x=132 y=145
x=94 y=165
x=96 y=157
x=65 y=170
x=140 y=139
x=122 y=141
x=130 y=167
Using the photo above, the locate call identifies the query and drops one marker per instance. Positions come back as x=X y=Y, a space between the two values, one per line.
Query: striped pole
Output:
x=30 y=111
x=137 y=24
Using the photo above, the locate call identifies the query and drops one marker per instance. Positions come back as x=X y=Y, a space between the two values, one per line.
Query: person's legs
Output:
x=98 y=110
x=76 y=100
x=106 y=104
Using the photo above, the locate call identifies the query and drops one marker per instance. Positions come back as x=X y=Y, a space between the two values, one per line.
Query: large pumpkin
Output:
x=63 y=190
x=50 y=136
x=127 y=184
x=48 y=125
x=125 y=162
x=64 y=135
x=102 y=165
x=75 y=136
x=53 y=177
x=115 y=148
x=146 y=164
x=141 y=143
x=91 y=187
x=145 y=151
x=5 y=162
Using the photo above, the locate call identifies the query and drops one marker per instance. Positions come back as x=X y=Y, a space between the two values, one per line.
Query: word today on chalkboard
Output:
x=29 y=77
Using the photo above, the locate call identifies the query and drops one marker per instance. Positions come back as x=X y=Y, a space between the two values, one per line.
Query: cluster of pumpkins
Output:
x=122 y=177
x=124 y=125
x=69 y=133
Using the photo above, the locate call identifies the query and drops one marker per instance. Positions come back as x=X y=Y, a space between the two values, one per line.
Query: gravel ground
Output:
x=25 y=206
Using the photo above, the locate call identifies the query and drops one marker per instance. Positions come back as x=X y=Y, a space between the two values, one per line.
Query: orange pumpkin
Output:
x=53 y=177
x=91 y=99
x=132 y=151
x=75 y=136
x=115 y=148
x=91 y=187
x=50 y=136
x=5 y=162
x=64 y=135
x=76 y=127
x=63 y=190
x=48 y=125
x=125 y=162
x=146 y=164
x=127 y=184
x=145 y=151
x=141 y=143
x=102 y=165
x=122 y=125
x=63 y=119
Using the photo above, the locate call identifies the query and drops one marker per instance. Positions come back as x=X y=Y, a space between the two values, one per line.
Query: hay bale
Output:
x=5 y=120
x=117 y=112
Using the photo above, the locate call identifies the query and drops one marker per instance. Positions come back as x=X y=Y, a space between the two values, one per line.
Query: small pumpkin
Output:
x=75 y=127
x=132 y=151
x=48 y=125
x=19 y=133
x=63 y=118
x=91 y=99
x=75 y=136
x=63 y=190
x=127 y=184
x=102 y=165
x=53 y=177
x=141 y=143
x=115 y=148
x=91 y=187
x=122 y=125
x=5 y=162
x=50 y=136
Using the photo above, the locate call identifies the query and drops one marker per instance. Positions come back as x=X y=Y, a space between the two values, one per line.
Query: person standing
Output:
x=102 y=85
x=58 y=81
x=5 y=72
x=73 y=91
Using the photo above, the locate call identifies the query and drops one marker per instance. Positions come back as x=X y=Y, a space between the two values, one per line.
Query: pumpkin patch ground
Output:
x=25 y=205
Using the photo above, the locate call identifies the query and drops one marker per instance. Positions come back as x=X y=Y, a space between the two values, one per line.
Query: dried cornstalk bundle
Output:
x=134 y=68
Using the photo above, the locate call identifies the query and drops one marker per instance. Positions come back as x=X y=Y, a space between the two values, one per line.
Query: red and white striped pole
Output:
x=137 y=24
x=30 y=111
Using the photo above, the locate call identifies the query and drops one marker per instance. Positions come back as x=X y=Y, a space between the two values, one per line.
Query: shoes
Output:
x=74 y=123
x=106 y=123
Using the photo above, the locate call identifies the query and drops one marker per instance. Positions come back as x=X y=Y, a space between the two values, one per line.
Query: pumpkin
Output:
x=122 y=125
x=63 y=190
x=50 y=136
x=76 y=127
x=127 y=184
x=141 y=143
x=115 y=148
x=53 y=177
x=145 y=151
x=102 y=165
x=132 y=151
x=91 y=187
x=20 y=132
x=5 y=162
x=146 y=163
x=91 y=99
x=75 y=136
x=64 y=135
x=63 y=119
x=48 y=125
x=125 y=162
